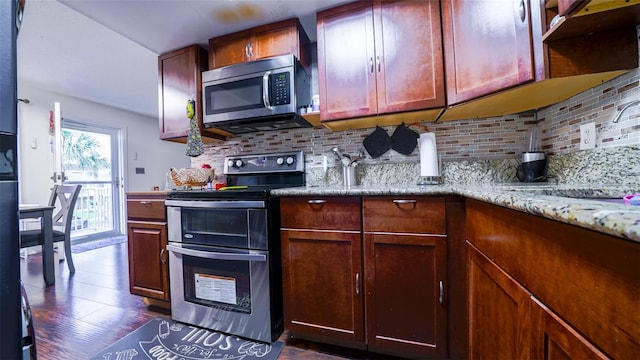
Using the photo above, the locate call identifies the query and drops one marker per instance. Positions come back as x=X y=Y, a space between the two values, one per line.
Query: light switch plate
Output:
x=588 y=136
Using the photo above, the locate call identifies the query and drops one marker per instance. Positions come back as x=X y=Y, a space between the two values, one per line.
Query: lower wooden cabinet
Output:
x=405 y=257
x=323 y=285
x=541 y=289
x=499 y=316
x=147 y=240
x=323 y=282
x=507 y=322
x=340 y=258
x=554 y=339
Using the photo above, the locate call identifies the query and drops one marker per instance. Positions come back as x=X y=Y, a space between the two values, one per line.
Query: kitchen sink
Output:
x=607 y=194
x=619 y=201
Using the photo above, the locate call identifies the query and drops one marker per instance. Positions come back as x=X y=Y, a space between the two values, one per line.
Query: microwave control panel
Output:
x=280 y=89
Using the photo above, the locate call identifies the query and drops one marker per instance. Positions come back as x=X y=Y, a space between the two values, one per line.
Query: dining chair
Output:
x=63 y=197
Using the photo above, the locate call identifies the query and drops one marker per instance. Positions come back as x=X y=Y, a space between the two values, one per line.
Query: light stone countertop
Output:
x=571 y=204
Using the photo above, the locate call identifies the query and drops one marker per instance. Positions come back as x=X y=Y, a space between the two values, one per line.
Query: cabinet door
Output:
x=148 y=270
x=229 y=49
x=275 y=39
x=180 y=79
x=487 y=46
x=409 y=64
x=346 y=62
x=498 y=310
x=323 y=285
x=554 y=339
x=405 y=294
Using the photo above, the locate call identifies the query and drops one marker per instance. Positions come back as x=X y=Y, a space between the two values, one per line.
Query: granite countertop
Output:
x=577 y=204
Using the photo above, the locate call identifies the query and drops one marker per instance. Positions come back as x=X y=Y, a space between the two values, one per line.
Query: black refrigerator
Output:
x=10 y=306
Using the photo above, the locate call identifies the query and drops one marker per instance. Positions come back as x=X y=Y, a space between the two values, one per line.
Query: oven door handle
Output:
x=237 y=204
x=216 y=255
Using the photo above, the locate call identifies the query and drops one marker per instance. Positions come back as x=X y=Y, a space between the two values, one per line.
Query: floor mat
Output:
x=96 y=244
x=163 y=338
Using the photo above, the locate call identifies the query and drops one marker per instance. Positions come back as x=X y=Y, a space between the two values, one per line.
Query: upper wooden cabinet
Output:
x=180 y=79
x=379 y=57
x=506 y=59
x=280 y=38
x=487 y=47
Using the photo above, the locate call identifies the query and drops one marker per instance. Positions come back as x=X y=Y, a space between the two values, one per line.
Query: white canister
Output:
x=315 y=103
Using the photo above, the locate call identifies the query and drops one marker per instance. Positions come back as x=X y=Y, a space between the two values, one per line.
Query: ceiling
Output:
x=106 y=51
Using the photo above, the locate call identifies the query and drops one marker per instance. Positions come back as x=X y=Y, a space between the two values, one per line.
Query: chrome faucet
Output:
x=617 y=118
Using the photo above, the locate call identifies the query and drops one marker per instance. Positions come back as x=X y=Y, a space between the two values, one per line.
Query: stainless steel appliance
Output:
x=224 y=248
x=260 y=95
x=533 y=167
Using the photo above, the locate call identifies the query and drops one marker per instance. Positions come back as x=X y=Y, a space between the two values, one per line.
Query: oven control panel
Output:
x=265 y=163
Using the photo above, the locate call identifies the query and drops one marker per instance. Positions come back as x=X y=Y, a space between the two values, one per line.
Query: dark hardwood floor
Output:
x=87 y=311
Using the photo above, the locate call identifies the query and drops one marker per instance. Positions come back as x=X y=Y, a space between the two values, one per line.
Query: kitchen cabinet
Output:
x=405 y=259
x=486 y=51
x=555 y=339
x=399 y=276
x=180 y=79
x=378 y=58
x=499 y=312
x=530 y=65
x=581 y=287
x=147 y=241
x=280 y=38
x=322 y=268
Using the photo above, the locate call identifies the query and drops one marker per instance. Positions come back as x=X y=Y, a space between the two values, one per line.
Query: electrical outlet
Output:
x=588 y=136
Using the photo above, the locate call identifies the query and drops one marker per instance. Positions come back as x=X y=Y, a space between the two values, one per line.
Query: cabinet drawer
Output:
x=410 y=214
x=321 y=213
x=149 y=209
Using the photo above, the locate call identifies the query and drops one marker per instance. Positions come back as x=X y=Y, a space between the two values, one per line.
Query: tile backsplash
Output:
x=487 y=139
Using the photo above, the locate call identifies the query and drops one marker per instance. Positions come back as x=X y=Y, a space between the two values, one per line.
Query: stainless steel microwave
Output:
x=259 y=95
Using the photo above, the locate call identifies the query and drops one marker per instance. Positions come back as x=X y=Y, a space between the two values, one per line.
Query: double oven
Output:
x=224 y=248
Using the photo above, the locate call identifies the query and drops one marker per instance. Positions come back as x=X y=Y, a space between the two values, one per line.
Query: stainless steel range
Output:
x=224 y=248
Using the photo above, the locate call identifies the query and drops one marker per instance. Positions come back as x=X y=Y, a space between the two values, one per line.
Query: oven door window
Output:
x=223 y=283
x=223 y=227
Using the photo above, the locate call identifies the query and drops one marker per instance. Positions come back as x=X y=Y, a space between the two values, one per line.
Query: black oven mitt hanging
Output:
x=195 y=146
x=377 y=143
x=404 y=140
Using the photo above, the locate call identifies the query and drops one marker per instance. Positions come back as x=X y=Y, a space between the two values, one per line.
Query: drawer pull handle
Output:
x=441 y=298
x=145 y=203
x=317 y=201
x=163 y=258
x=404 y=201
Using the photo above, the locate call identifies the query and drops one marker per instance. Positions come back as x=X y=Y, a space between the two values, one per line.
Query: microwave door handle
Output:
x=265 y=90
x=215 y=255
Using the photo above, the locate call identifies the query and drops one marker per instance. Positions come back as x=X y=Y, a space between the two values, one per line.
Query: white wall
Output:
x=140 y=136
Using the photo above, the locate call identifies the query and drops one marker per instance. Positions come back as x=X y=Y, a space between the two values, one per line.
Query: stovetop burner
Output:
x=258 y=173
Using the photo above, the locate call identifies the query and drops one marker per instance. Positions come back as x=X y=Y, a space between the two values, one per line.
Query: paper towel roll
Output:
x=428 y=155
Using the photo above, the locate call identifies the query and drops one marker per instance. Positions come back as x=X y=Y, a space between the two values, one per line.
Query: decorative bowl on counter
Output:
x=190 y=177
